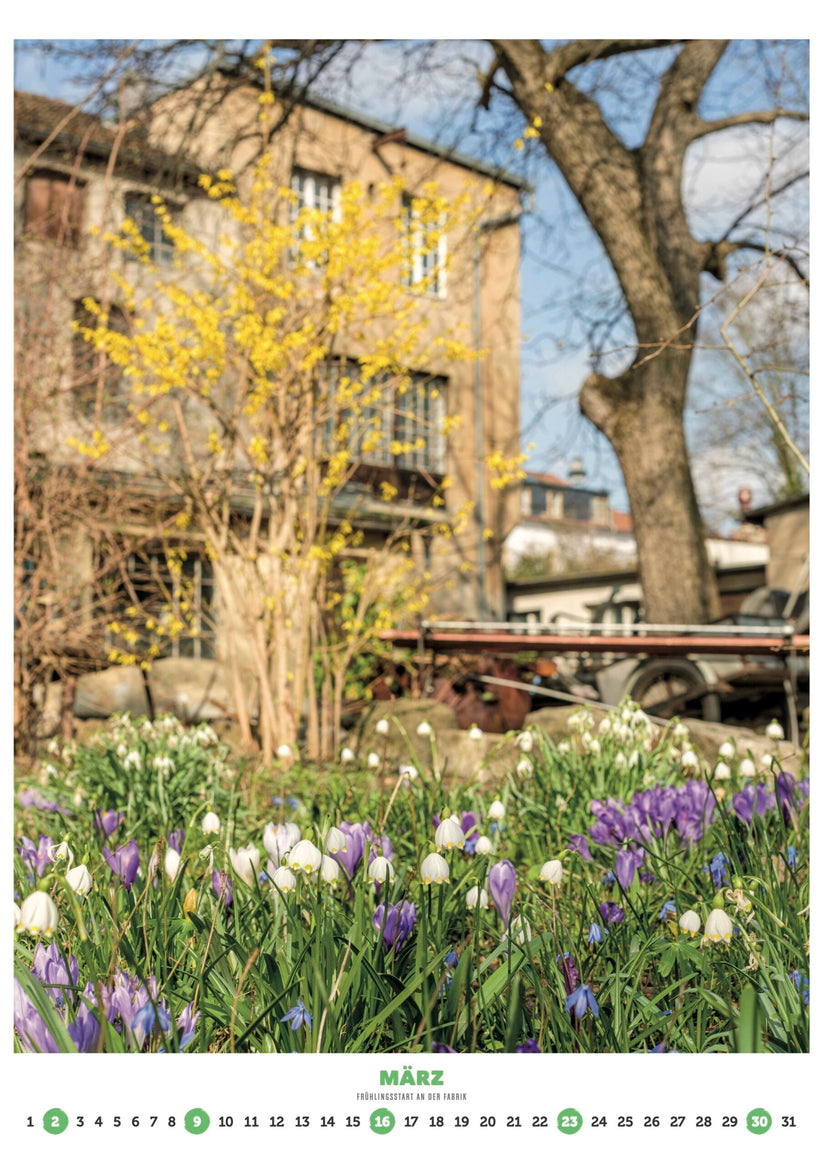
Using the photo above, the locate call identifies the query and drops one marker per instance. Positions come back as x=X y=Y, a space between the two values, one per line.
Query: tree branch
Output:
x=752 y=117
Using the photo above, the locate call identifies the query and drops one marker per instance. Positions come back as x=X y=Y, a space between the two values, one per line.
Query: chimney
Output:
x=577 y=474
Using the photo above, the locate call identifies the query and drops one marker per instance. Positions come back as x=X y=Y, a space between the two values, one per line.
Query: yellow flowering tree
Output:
x=265 y=369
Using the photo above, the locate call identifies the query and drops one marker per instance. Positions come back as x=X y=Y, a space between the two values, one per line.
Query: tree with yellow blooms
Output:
x=264 y=369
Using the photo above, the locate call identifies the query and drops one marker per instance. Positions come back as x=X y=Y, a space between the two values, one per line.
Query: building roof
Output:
x=796 y=502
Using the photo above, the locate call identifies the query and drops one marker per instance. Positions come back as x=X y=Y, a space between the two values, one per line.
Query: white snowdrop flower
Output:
x=586 y=739
x=690 y=922
x=346 y=756
x=747 y=767
x=564 y=747
x=373 y=760
x=133 y=761
x=210 y=823
x=329 y=870
x=382 y=726
x=38 y=914
x=335 y=842
x=449 y=835
x=719 y=927
x=551 y=872
x=484 y=845
x=640 y=719
x=593 y=747
x=604 y=727
x=497 y=811
x=80 y=880
x=207 y=852
x=774 y=731
x=283 y=879
x=722 y=771
x=284 y=752
x=689 y=760
x=171 y=863
x=62 y=853
x=727 y=751
x=434 y=869
x=525 y=741
x=305 y=856
x=122 y=749
x=380 y=870
x=163 y=764
x=524 y=768
x=620 y=761
x=477 y=897
x=519 y=930
x=246 y=862
x=424 y=728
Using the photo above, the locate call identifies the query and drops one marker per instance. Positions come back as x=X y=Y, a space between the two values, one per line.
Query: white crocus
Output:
x=38 y=914
x=210 y=823
x=435 y=869
x=283 y=879
x=80 y=880
x=276 y=841
x=477 y=897
x=484 y=845
x=171 y=863
x=305 y=856
x=497 y=811
x=719 y=927
x=246 y=863
x=551 y=872
x=381 y=870
x=449 y=835
x=424 y=728
x=774 y=731
x=690 y=922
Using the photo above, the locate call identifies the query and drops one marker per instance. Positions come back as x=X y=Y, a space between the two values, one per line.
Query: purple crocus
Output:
x=438 y=1047
x=752 y=799
x=124 y=862
x=582 y=1000
x=502 y=885
x=568 y=970
x=529 y=1046
x=175 y=840
x=578 y=842
x=108 y=821
x=612 y=913
x=221 y=883
x=144 y=1020
x=786 y=793
x=626 y=865
x=37 y=857
x=395 y=923
x=358 y=835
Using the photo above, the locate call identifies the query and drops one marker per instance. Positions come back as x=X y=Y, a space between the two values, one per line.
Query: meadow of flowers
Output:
x=614 y=893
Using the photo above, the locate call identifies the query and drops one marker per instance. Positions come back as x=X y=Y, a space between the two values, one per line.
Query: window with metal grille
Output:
x=142 y=211
x=55 y=204
x=171 y=590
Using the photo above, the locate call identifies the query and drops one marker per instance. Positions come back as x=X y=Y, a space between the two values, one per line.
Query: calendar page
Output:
x=411 y=588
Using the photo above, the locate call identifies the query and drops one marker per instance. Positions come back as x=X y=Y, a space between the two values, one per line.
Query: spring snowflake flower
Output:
x=722 y=772
x=210 y=823
x=38 y=915
x=689 y=922
x=747 y=767
x=80 y=880
x=475 y=733
x=382 y=727
x=246 y=863
x=305 y=857
x=689 y=760
x=424 y=728
x=381 y=870
x=346 y=756
x=284 y=752
x=282 y=879
x=477 y=897
x=727 y=751
x=497 y=811
x=483 y=845
x=449 y=835
x=435 y=869
x=551 y=872
x=524 y=768
x=719 y=928
x=525 y=741
x=373 y=760
x=774 y=731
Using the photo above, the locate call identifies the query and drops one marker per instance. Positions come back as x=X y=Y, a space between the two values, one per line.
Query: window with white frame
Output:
x=175 y=590
x=142 y=211
x=315 y=191
x=425 y=266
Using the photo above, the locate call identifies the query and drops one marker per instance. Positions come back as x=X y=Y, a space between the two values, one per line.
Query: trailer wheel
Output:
x=672 y=687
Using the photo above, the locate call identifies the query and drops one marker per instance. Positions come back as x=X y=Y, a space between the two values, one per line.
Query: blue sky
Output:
x=567 y=286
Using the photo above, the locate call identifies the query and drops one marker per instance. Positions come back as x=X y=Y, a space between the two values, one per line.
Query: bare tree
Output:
x=633 y=198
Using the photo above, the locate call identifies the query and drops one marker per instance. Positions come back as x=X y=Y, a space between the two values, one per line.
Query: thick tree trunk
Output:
x=642 y=416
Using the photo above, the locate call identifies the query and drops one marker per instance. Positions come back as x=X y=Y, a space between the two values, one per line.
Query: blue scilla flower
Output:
x=292 y=802
x=717 y=868
x=298 y=1016
x=791 y=856
x=582 y=1000
x=596 y=933
x=609 y=879
x=668 y=907
x=800 y=981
